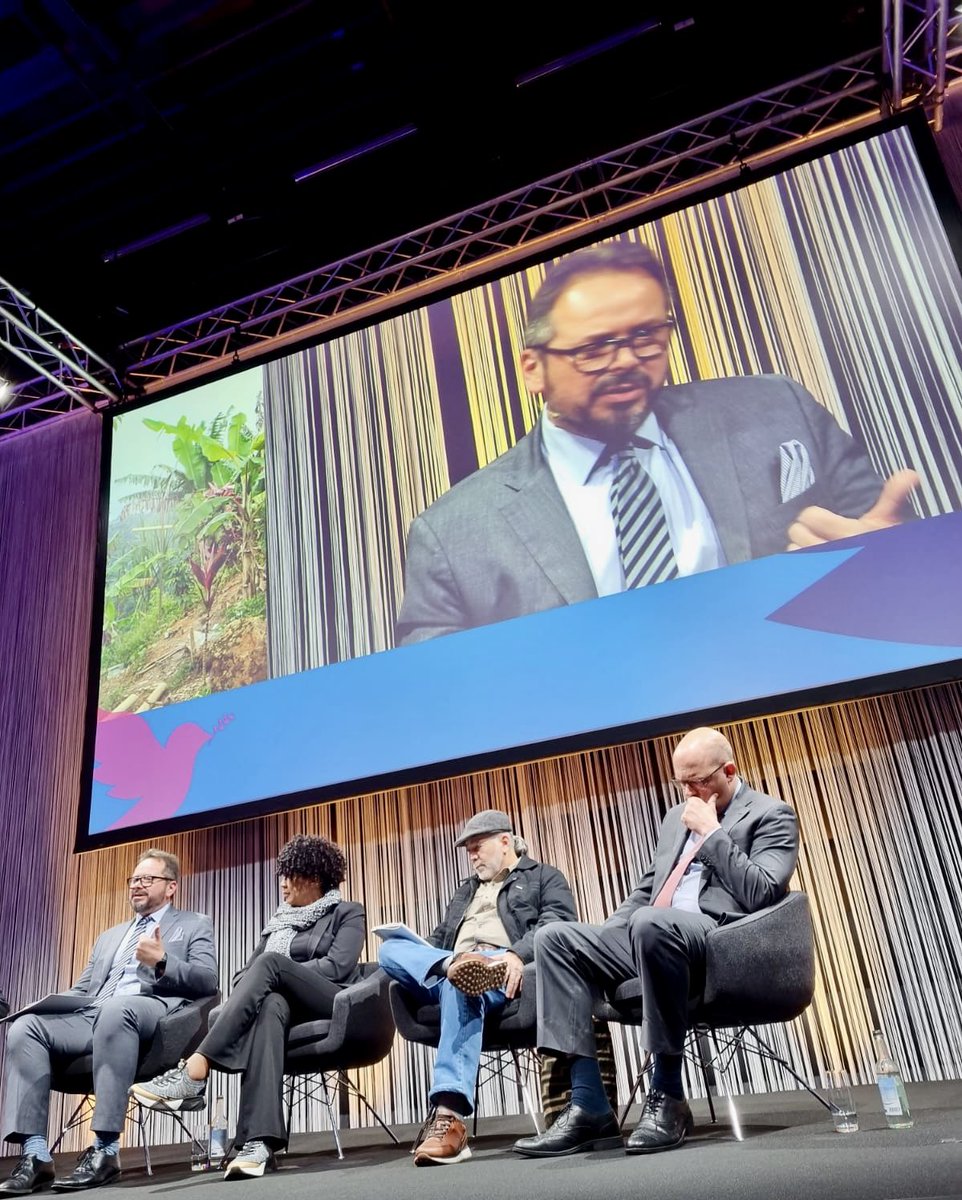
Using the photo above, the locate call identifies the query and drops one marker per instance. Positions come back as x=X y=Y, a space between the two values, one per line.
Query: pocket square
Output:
x=177 y=935
x=795 y=474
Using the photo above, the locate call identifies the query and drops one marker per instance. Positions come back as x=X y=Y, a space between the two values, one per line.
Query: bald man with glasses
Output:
x=138 y=971
x=627 y=479
x=723 y=852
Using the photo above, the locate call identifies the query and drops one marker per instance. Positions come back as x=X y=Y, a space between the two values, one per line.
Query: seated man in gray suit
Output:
x=138 y=972
x=725 y=852
x=713 y=473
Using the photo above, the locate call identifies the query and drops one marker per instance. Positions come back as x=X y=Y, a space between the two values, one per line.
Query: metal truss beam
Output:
x=920 y=58
x=590 y=195
x=63 y=373
x=922 y=53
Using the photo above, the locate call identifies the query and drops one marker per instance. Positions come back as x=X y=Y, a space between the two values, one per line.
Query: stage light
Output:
x=367 y=148
x=151 y=239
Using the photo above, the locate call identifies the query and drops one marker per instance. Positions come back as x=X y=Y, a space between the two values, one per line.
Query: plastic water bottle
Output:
x=217 y=1146
x=890 y=1085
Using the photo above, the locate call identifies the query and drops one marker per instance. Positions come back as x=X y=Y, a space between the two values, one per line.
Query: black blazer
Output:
x=331 y=946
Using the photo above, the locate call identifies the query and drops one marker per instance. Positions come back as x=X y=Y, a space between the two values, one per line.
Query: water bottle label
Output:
x=889 y=1090
x=218 y=1143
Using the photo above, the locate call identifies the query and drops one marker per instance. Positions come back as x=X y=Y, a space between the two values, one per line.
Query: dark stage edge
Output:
x=790 y=1151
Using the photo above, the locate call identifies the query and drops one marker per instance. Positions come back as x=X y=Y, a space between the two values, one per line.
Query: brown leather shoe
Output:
x=446 y=1143
x=475 y=974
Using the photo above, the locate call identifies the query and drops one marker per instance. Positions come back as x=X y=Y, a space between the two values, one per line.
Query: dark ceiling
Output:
x=149 y=149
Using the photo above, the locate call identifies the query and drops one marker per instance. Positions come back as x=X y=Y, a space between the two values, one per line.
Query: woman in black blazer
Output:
x=308 y=952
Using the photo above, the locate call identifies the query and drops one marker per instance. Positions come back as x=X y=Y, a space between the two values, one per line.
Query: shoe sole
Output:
x=605 y=1143
x=689 y=1127
x=475 y=978
x=245 y=1170
x=37 y=1187
x=186 y=1104
x=428 y=1160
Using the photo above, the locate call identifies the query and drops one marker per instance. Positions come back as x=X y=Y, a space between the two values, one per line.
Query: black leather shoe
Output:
x=573 y=1132
x=95 y=1168
x=665 y=1123
x=29 y=1175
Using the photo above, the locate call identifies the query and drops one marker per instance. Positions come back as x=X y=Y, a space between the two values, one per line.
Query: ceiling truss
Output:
x=920 y=58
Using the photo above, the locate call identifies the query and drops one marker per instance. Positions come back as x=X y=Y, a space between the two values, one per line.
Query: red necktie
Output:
x=663 y=899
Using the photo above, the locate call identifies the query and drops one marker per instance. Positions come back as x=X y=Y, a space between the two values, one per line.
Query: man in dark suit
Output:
x=741 y=467
x=725 y=852
x=138 y=972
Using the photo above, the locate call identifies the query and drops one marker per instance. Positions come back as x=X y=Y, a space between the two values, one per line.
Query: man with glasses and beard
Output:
x=724 y=852
x=138 y=972
x=625 y=481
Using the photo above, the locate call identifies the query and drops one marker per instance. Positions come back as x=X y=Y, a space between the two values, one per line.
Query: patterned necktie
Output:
x=664 y=897
x=124 y=956
x=640 y=524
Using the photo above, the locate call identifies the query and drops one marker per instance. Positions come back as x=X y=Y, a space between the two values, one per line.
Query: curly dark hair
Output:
x=313 y=858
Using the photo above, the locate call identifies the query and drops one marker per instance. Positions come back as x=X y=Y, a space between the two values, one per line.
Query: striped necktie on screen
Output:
x=124 y=956
x=640 y=524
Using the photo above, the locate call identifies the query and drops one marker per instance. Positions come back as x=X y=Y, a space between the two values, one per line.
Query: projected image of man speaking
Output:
x=626 y=480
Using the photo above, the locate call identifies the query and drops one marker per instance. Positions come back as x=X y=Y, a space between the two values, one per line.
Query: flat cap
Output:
x=489 y=820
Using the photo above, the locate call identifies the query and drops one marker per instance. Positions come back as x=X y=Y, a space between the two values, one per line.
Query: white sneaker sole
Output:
x=185 y=1103
x=244 y=1169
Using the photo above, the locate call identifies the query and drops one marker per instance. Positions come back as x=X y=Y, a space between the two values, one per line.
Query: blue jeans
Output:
x=416 y=968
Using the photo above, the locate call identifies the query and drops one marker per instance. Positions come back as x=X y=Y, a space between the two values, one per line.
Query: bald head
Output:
x=703 y=762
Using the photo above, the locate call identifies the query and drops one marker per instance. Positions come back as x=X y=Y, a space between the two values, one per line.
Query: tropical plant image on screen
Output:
x=184 y=603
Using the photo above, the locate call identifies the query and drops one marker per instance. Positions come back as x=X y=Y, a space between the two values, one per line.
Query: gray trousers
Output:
x=577 y=964
x=115 y=1034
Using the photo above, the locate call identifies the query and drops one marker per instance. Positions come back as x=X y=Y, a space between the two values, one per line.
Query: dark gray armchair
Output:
x=178 y=1035
x=759 y=970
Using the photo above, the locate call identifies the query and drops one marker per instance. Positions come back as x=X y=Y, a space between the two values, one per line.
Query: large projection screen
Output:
x=257 y=526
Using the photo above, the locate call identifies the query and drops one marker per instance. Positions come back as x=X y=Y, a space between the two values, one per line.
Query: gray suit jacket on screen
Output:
x=501 y=543
x=191 y=970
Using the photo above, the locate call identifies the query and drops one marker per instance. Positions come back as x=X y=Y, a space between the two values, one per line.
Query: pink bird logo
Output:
x=136 y=766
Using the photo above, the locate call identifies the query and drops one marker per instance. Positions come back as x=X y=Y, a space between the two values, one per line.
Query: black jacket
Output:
x=533 y=895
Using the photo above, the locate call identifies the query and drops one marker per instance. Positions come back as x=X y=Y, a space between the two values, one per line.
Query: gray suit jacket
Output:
x=746 y=865
x=191 y=970
x=501 y=543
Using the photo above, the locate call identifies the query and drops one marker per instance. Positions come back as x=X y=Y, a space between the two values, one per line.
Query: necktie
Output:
x=640 y=524
x=663 y=899
x=124 y=956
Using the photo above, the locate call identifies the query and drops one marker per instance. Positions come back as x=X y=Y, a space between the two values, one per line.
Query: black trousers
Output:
x=250 y=1035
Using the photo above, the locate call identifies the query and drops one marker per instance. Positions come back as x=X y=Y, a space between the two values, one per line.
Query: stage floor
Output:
x=790 y=1152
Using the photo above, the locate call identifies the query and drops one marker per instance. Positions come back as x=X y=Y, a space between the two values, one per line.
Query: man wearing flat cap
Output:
x=472 y=964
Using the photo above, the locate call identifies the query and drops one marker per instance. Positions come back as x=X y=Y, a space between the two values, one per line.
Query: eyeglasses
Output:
x=648 y=341
x=146 y=880
x=705 y=780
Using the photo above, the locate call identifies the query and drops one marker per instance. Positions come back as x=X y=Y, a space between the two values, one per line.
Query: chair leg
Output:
x=141 y=1117
x=356 y=1091
x=74 y=1120
x=635 y=1089
x=329 y=1105
x=702 y=1055
x=521 y=1075
x=763 y=1050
